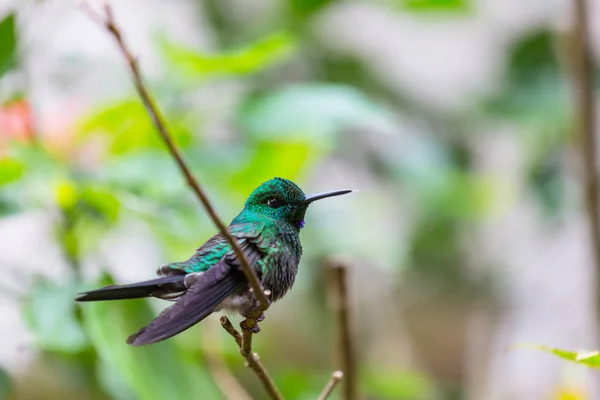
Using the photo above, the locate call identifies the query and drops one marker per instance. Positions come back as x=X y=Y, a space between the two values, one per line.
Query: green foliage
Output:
x=254 y=58
x=301 y=384
x=5 y=385
x=129 y=128
x=285 y=159
x=11 y=170
x=585 y=357
x=535 y=93
x=50 y=313
x=8 y=43
x=436 y=5
x=315 y=112
x=160 y=371
x=399 y=385
x=535 y=96
x=302 y=9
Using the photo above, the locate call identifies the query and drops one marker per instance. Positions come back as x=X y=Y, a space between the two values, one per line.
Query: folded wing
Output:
x=209 y=290
x=196 y=304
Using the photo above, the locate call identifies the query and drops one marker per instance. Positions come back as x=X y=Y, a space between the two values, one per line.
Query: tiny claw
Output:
x=261 y=317
x=252 y=327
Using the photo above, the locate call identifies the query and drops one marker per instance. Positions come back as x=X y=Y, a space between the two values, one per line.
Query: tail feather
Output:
x=171 y=283
x=195 y=305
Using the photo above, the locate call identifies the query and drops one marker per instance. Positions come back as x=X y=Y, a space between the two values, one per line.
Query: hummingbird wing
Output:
x=208 y=291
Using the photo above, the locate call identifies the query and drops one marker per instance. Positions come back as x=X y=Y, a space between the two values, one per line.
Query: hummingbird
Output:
x=267 y=231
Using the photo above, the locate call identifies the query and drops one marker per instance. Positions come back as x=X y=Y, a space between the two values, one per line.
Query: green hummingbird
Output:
x=267 y=231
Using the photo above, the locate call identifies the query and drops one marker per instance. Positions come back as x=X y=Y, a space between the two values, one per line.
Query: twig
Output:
x=246 y=347
x=226 y=324
x=107 y=21
x=227 y=383
x=244 y=342
x=336 y=377
x=583 y=75
x=341 y=306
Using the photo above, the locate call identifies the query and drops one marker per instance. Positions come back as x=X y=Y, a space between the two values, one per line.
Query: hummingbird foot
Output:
x=250 y=325
x=253 y=315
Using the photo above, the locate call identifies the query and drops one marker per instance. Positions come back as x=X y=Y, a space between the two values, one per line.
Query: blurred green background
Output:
x=453 y=118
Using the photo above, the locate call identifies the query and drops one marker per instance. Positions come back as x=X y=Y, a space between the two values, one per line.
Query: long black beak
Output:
x=313 y=197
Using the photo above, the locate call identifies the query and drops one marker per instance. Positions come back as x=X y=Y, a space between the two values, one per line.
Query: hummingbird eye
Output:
x=274 y=203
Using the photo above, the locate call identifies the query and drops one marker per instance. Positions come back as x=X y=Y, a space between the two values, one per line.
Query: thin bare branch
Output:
x=244 y=341
x=341 y=307
x=226 y=324
x=336 y=377
x=583 y=76
x=107 y=20
x=246 y=347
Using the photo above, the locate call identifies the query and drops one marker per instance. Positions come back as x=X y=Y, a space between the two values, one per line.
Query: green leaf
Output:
x=101 y=201
x=399 y=385
x=313 y=112
x=437 y=5
x=11 y=170
x=159 y=371
x=8 y=43
x=6 y=386
x=585 y=357
x=256 y=57
x=113 y=383
x=50 y=313
x=535 y=92
x=285 y=159
x=306 y=8
x=129 y=128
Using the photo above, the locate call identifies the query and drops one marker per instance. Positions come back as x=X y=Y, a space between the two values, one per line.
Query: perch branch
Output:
x=341 y=307
x=583 y=76
x=226 y=324
x=107 y=20
x=336 y=377
x=244 y=342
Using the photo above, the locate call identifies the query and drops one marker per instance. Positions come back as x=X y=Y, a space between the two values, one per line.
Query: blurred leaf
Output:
x=399 y=385
x=11 y=170
x=548 y=183
x=256 y=57
x=159 y=371
x=101 y=201
x=305 y=8
x=462 y=195
x=437 y=5
x=129 y=128
x=5 y=385
x=50 y=313
x=151 y=174
x=272 y=159
x=113 y=382
x=301 y=384
x=440 y=186
x=66 y=194
x=8 y=43
x=535 y=92
x=313 y=112
x=585 y=357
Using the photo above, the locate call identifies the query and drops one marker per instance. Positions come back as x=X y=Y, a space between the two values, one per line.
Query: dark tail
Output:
x=197 y=303
x=165 y=284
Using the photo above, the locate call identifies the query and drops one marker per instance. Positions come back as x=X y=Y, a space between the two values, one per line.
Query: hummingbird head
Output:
x=284 y=201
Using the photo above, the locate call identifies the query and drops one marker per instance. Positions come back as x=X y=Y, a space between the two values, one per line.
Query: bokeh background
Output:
x=454 y=118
